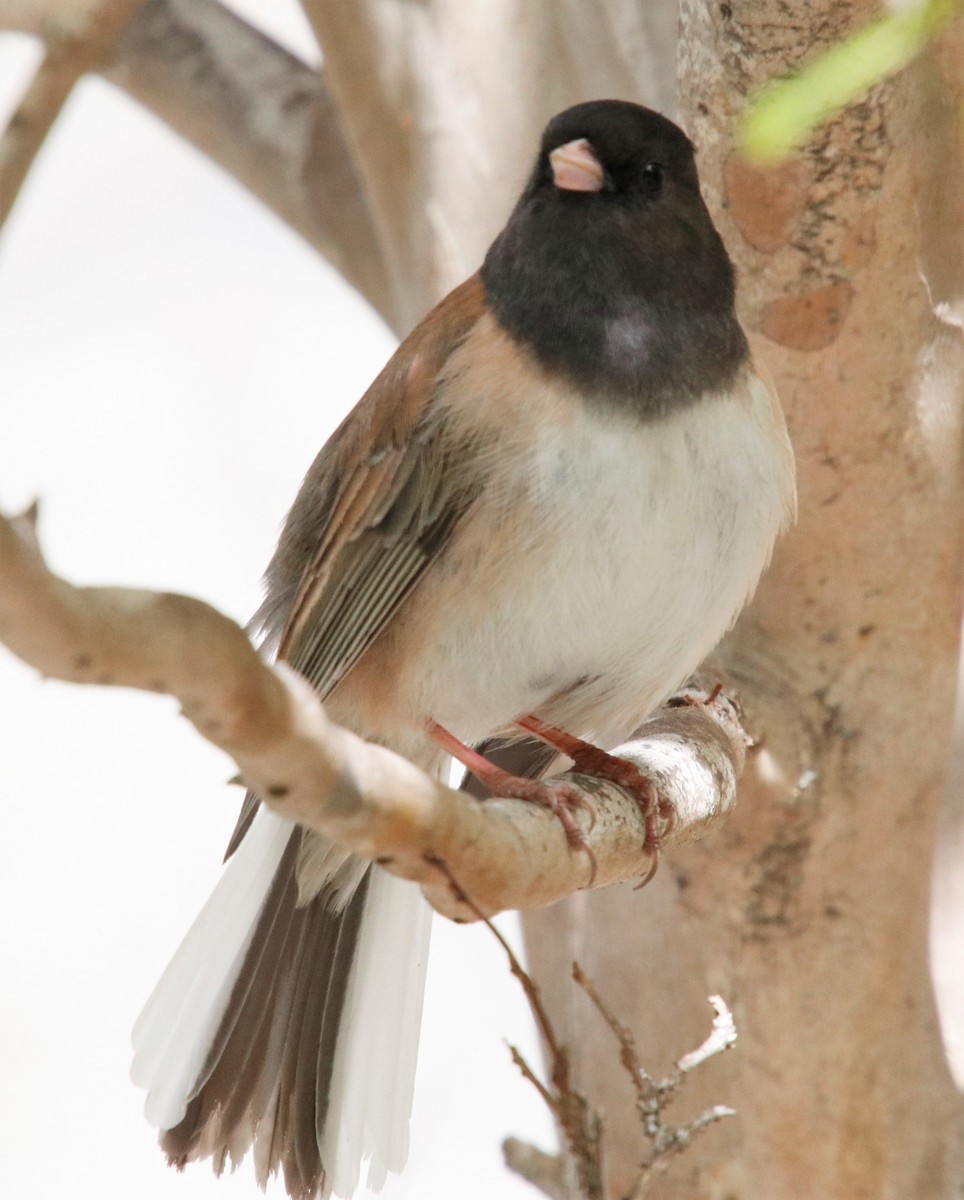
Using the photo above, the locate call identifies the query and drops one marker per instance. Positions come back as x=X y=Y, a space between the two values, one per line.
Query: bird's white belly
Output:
x=625 y=556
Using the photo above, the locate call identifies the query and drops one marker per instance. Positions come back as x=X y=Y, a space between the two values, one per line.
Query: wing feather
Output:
x=375 y=510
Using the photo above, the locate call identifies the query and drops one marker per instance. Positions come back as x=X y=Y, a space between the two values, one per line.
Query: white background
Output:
x=171 y=358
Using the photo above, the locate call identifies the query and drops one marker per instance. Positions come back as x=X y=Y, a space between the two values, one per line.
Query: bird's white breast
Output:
x=622 y=552
x=603 y=560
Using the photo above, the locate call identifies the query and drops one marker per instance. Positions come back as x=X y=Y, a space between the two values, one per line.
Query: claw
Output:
x=658 y=814
x=559 y=799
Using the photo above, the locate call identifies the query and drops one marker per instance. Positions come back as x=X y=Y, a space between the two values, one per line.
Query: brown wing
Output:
x=375 y=509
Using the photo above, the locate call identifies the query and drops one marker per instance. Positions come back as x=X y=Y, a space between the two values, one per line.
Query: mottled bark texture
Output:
x=809 y=911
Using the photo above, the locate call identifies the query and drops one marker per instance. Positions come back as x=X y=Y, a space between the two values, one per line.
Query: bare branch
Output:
x=504 y=853
x=442 y=105
x=369 y=57
x=722 y=1037
x=37 y=17
x=264 y=116
x=619 y=49
x=653 y=1097
x=255 y=109
x=69 y=55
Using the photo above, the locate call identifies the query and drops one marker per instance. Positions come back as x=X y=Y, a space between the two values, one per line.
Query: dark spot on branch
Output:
x=384 y=860
x=82 y=661
x=278 y=790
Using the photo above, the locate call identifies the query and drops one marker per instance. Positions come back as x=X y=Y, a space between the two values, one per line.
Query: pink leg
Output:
x=591 y=760
x=560 y=799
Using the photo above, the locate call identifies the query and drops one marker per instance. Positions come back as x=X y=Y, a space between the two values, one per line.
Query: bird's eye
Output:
x=652 y=175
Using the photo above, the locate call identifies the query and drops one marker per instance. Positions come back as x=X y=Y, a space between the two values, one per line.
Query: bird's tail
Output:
x=289 y=1027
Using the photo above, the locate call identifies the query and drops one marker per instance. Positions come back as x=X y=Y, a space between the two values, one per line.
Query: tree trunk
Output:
x=810 y=911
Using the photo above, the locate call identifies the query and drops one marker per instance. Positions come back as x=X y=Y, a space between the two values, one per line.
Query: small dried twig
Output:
x=722 y=1037
x=580 y=1123
x=653 y=1097
x=68 y=57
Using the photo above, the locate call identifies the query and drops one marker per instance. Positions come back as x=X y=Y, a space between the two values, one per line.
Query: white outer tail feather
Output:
x=172 y=1035
x=374 y=1070
x=374 y=1073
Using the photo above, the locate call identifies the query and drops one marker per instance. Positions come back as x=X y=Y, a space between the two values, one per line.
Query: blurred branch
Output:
x=624 y=50
x=259 y=112
x=70 y=54
x=505 y=853
x=264 y=116
x=441 y=103
x=550 y=1173
x=370 y=58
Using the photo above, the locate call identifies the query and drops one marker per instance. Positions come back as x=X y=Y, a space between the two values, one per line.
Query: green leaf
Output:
x=782 y=115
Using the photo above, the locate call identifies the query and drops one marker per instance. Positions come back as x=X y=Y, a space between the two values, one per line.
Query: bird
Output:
x=544 y=513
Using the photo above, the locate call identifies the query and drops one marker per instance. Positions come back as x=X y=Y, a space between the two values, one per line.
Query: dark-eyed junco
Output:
x=544 y=513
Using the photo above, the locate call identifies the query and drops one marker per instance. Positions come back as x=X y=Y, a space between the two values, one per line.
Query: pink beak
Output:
x=575 y=167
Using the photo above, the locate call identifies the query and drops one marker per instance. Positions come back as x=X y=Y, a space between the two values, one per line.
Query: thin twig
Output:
x=518 y=970
x=652 y=1097
x=581 y=1125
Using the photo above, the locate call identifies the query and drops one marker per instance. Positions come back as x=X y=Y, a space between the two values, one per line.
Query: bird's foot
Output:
x=562 y=800
x=657 y=813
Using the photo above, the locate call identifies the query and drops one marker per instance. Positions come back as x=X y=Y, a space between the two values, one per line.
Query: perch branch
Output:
x=504 y=853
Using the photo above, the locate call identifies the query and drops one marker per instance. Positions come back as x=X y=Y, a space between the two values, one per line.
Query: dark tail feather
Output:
x=267 y=1074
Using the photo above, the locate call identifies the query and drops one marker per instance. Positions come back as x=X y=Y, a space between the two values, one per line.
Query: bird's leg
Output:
x=559 y=798
x=591 y=760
